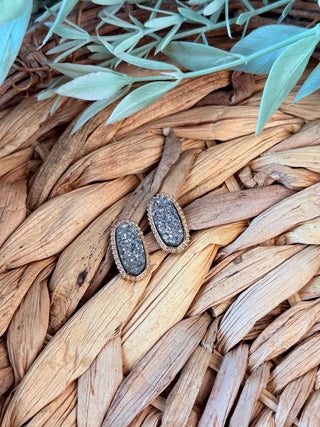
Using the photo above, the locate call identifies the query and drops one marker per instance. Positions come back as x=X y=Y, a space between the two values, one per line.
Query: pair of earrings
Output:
x=169 y=227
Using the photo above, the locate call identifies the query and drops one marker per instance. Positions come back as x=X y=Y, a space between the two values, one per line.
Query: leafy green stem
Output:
x=245 y=16
x=153 y=78
x=232 y=64
x=206 y=28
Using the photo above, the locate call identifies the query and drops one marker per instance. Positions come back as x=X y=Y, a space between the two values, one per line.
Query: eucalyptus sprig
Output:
x=281 y=51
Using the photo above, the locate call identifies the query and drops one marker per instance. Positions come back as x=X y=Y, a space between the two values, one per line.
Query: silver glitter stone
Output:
x=167 y=221
x=130 y=249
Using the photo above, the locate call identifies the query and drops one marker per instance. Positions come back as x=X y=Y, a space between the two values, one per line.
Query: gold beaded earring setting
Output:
x=128 y=249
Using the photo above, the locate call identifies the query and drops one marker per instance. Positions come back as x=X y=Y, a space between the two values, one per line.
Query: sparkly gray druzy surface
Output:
x=167 y=221
x=130 y=249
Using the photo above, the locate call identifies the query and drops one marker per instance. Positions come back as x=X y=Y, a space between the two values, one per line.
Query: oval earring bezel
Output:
x=161 y=243
x=117 y=258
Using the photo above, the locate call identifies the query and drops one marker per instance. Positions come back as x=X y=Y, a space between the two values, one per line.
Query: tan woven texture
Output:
x=225 y=333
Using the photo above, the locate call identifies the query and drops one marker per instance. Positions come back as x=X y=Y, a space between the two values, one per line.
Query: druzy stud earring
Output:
x=168 y=223
x=129 y=251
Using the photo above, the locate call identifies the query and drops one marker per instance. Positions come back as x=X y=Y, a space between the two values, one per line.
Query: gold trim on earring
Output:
x=123 y=262
x=156 y=230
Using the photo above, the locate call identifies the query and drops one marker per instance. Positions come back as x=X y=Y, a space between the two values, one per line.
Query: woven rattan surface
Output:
x=225 y=332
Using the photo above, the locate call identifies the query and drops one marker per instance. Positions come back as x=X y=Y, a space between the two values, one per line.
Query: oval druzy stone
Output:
x=130 y=249
x=167 y=221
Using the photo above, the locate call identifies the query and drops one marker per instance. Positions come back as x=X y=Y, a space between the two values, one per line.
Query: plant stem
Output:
x=232 y=64
x=153 y=78
x=245 y=16
x=204 y=29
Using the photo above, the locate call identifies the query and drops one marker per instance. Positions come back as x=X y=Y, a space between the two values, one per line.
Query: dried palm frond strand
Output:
x=70 y=352
x=237 y=273
x=310 y=412
x=304 y=157
x=15 y=160
x=214 y=165
x=293 y=398
x=254 y=384
x=155 y=370
x=19 y=129
x=266 y=294
x=308 y=233
x=23 y=343
x=279 y=218
x=182 y=397
x=14 y=285
x=97 y=386
x=178 y=279
x=225 y=387
x=95 y=134
x=60 y=411
x=13 y=194
x=6 y=371
x=285 y=331
x=300 y=360
x=231 y=207
x=36 y=238
x=292 y=178
x=73 y=274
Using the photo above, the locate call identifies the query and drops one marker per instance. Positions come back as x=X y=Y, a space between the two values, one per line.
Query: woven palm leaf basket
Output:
x=223 y=333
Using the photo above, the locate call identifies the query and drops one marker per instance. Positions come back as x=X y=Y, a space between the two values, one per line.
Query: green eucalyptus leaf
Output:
x=67 y=32
x=45 y=94
x=247 y=4
x=68 y=52
x=99 y=52
x=11 y=10
x=99 y=56
x=108 y=2
x=55 y=105
x=112 y=9
x=213 y=6
x=216 y=15
x=11 y=36
x=95 y=86
x=137 y=61
x=193 y=16
x=96 y=107
x=167 y=38
x=286 y=10
x=198 y=2
x=139 y=99
x=63 y=47
x=98 y=48
x=50 y=11
x=91 y=111
x=114 y=2
x=284 y=74
x=259 y=39
x=65 y=8
x=77 y=70
x=128 y=43
x=196 y=57
x=136 y=22
x=164 y=22
x=146 y=63
x=226 y=12
x=52 y=89
x=117 y=37
x=245 y=17
x=114 y=20
x=311 y=84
